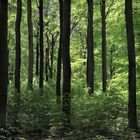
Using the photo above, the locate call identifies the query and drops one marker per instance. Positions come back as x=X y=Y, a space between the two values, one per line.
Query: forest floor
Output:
x=74 y=138
x=136 y=136
x=109 y=123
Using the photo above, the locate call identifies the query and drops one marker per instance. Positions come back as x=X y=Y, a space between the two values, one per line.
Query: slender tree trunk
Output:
x=3 y=62
x=58 y=77
x=52 y=57
x=111 y=62
x=90 y=54
x=30 y=43
x=112 y=65
x=18 y=46
x=59 y=59
x=41 y=46
x=37 y=54
x=17 y=63
x=66 y=105
x=104 y=70
x=47 y=64
x=132 y=114
x=47 y=58
x=11 y=72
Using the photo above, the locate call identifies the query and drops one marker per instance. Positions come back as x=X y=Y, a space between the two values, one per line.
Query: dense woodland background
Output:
x=70 y=69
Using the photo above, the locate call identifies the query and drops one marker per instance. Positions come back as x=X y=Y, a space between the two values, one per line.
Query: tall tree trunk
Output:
x=132 y=114
x=30 y=43
x=111 y=62
x=41 y=46
x=3 y=62
x=37 y=53
x=52 y=57
x=17 y=63
x=90 y=55
x=18 y=46
x=47 y=64
x=104 y=70
x=47 y=58
x=58 y=76
x=59 y=59
x=66 y=107
x=112 y=65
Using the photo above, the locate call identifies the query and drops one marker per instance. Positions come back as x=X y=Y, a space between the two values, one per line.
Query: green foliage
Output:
x=3 y=134
x=102 y=115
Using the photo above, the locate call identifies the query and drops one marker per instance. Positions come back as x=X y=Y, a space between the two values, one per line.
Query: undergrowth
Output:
x=102 y=115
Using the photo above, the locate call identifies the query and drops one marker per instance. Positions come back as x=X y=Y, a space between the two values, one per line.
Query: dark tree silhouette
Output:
x=104 y=70
x=41 y=46
x=37 y=53
x=18 y=46
x=3 y=62
x=66 y=60
x=90 y=54
x=30 y=43
x=47 y=67
x=58 y=78
x=132 y=115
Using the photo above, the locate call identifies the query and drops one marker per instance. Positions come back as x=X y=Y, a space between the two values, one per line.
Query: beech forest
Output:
x=69 y=70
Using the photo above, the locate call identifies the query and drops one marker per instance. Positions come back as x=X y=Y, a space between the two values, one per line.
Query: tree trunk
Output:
x=18 y=46
x=111 y=62
x=41 y=46
x=104 y=70
x=47 y=64
x=112 y=65
x=90 y=54
x=132 y=114
x=47 y=58
x=3 y=62
x=58 y=78
x=37 y=54
x=30 y=43
x=66 y=60
x=52 y=57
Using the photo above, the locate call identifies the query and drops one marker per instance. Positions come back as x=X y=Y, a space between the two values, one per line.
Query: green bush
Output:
x=100 y=115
